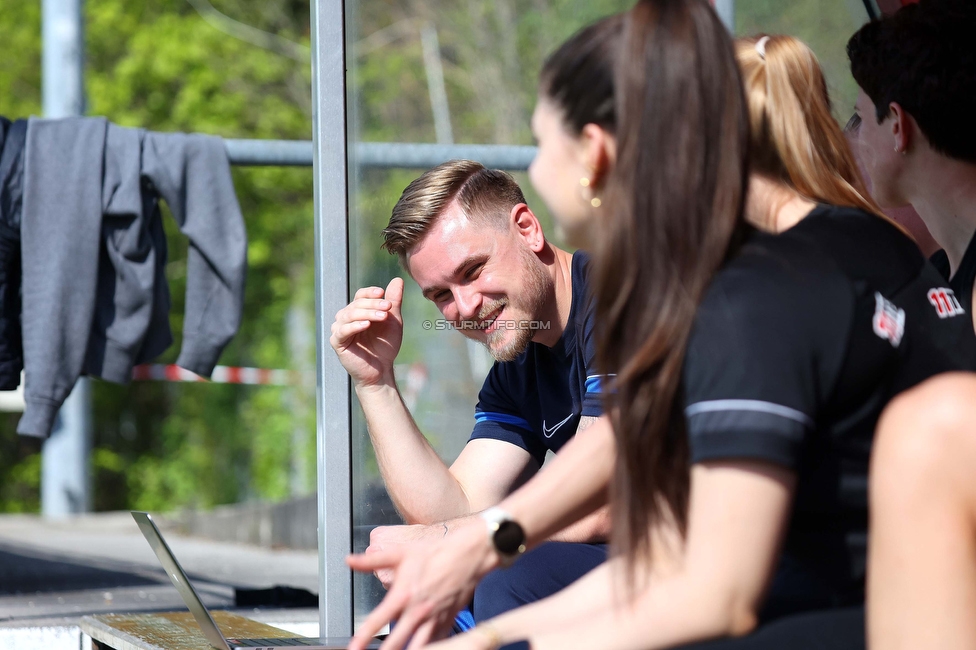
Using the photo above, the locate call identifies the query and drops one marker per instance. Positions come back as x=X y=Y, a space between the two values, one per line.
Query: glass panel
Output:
x=447 y=71
x=436 y=71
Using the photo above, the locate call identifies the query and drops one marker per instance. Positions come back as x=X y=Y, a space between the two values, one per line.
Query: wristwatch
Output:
x=507 y=536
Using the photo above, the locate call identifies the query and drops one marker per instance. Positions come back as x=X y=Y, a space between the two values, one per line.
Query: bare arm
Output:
x=704 y=589
x=572 y=486
x=433 y=581
x=366 y=337
x=423 y=488
x=485 y=469
x=715 y=587
x=921 y=589
x=594 y=527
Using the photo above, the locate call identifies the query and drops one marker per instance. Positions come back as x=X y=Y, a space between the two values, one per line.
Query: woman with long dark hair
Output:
x=750 y=367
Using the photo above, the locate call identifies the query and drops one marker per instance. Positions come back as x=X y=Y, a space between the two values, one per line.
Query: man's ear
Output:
x=903 y=128
x=528 y=227
x=598 y=151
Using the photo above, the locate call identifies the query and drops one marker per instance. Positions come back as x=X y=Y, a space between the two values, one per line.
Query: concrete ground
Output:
x=54 y=572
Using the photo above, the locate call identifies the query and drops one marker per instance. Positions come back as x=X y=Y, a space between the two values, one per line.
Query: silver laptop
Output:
x=202 y=614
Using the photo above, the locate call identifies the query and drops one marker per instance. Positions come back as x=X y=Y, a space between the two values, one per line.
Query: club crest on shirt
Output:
x=945 y=302
x=889 y=320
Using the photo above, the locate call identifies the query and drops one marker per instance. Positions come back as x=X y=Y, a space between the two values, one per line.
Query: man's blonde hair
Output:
x=484 y=195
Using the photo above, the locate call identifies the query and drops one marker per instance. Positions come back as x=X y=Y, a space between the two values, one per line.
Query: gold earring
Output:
x=585 y=189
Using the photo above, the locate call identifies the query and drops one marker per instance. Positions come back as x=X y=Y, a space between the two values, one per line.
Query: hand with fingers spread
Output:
x=367 y=333
x=384 y=538
x=433 y=581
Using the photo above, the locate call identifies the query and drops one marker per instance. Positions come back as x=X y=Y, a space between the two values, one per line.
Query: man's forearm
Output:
x=573 y=485
x=594 y=527
x=420 y=484
x=591 y=529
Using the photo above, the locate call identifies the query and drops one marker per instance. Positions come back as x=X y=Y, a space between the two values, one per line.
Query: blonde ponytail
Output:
x=795 y=139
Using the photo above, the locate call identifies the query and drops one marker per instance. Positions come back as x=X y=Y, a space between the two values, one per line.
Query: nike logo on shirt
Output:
x=549 y=432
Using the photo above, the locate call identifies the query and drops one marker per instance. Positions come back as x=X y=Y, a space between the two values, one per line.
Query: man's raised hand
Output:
x=367 y=334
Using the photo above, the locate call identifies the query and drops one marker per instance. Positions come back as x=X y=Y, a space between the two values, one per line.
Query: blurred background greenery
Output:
x=160 y=65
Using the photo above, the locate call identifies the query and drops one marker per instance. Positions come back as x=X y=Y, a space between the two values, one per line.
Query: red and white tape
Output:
x=221 y=375
x=413 y=377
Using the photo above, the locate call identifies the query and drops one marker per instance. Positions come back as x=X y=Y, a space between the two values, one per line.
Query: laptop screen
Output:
x=179 y=580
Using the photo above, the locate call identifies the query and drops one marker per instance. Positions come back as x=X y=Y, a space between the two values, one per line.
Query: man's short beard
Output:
x=511 y=351
x=540 y=287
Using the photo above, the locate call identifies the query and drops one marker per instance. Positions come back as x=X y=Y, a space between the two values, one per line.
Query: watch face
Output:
x=509 y=537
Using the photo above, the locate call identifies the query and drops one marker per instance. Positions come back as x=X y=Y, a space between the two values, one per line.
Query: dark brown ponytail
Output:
x=671 y=216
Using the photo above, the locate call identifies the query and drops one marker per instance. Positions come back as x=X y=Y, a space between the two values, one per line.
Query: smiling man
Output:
x=467 y=237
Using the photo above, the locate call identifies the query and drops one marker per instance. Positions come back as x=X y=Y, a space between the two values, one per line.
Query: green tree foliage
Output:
x=159 y=65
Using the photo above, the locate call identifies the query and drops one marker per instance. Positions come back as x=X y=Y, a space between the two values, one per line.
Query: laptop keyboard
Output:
x=265 y=643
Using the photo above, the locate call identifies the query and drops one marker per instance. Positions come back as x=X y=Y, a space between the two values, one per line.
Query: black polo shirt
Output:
x=799 y=343
x=961 y=282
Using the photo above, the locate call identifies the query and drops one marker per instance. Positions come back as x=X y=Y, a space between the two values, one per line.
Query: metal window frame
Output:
x=332 y=390
x=329 y=154
x=387 y=155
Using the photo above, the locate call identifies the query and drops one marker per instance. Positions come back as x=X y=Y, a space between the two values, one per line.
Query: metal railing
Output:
x=380 y=154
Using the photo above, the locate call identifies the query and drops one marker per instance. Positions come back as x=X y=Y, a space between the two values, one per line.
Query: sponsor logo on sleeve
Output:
x=945 y=302
x=889 y=320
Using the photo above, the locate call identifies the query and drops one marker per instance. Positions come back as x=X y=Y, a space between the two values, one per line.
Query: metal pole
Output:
x=425 y=156
x=332 y=389
x=65 y=479
x=62 y=60
x=435 y=84
x=389 y=155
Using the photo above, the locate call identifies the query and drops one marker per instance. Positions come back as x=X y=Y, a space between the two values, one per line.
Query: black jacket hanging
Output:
x=11 y=199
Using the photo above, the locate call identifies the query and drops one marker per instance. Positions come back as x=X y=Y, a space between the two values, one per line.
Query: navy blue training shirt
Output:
x=535 y=402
